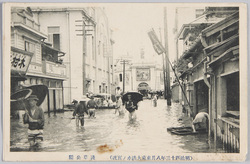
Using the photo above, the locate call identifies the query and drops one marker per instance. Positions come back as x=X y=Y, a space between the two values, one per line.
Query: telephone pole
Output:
x=168 y=93
x=123 y=62
x=163 y=69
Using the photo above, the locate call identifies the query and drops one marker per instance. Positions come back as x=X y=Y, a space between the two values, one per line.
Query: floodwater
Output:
x=147 y=134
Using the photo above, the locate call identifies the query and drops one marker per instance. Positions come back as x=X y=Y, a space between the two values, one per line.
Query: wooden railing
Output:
x=229 y=133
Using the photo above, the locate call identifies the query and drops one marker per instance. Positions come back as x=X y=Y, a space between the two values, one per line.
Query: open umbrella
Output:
x=98 y=96
x=20 y=95
x=17 y=99
x=135 y=96
x=40 y=91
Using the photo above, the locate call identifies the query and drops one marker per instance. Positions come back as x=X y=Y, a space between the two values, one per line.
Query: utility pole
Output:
x=124 y=62
x=164 y=70
x=168 y=93
x=84 y=59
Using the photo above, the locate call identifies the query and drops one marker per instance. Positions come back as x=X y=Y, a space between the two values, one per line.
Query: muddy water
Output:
x=111 y=132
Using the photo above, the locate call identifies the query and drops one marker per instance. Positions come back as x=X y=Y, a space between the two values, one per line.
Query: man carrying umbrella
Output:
x=131 y=106
x=34 y=116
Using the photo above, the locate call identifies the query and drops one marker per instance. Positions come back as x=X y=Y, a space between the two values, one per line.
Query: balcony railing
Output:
x=18 y=18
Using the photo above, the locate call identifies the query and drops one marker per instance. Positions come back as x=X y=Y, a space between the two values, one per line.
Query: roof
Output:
x=29 y=29
x=234 y=18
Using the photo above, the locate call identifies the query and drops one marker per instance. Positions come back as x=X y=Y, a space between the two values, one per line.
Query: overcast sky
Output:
x=130 y=24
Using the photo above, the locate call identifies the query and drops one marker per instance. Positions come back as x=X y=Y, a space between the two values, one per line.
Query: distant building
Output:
x=85 y=36
x=33 y=61
x=143 y=76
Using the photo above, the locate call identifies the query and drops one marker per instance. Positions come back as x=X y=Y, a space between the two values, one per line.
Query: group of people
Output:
x=34 y=115
x=81 y=108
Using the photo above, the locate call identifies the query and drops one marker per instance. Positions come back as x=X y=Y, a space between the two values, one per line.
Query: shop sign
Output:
x=19 y=62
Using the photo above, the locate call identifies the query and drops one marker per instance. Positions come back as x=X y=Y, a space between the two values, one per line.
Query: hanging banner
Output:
x=156 y=43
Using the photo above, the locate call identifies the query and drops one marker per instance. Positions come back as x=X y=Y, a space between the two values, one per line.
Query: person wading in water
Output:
x=34 y=116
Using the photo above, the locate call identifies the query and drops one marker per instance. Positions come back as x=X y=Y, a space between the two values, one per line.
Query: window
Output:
x=93 y=48
x=120 y=75
x=54 y=37
x=30 y=47
x=100 y=89
x=99 y=48
x=233 y=98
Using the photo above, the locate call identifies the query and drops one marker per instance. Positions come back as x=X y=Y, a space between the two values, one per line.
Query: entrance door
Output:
x=201 y=96
x=143 y=88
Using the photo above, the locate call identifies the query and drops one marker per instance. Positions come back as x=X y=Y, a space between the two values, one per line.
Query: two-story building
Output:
x=33 y=61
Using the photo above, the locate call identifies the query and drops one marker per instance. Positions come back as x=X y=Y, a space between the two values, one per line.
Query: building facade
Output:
x=209 y=73
x=143 y=76
x=32 y=61
x=84 y=35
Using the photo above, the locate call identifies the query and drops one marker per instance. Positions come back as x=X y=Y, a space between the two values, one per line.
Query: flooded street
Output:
x=147 y=134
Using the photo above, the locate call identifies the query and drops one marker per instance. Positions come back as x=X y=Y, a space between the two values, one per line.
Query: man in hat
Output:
x=91 y=105
x=34 y=116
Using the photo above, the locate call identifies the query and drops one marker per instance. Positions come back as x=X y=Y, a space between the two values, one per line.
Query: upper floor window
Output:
x=93 y=47
x=30 y=47
x=54 y=37
x=99 y=48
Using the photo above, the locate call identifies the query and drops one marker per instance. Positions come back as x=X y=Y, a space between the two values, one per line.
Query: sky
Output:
x=130 y=25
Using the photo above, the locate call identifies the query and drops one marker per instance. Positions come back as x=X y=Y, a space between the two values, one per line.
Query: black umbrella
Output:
x=40 y=91
x=20 y=95
x=98 y=96
x=135 y=96
x=17 y=99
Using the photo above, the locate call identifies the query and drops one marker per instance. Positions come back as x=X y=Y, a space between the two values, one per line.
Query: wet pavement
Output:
x=147 y=134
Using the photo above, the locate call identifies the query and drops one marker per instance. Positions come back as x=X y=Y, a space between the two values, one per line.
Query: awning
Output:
x=49 y=48
x=230 y=52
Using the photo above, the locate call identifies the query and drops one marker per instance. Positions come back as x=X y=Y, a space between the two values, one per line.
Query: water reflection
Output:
x=146 y=134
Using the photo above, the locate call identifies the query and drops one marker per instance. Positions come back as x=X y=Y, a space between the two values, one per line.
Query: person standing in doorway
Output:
x=34 y=116
x=81 y=108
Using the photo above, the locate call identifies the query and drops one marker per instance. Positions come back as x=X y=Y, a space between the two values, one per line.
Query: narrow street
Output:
x=147 y=134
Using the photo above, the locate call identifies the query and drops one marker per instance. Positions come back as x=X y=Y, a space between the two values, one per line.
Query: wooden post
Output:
x=48 y=104
x=164 y=70
x=168 y=94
